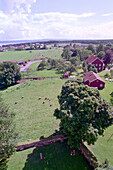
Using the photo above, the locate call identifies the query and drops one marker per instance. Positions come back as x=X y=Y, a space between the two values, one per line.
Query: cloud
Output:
x=19 y=6
x=2 y=32
x=107 y=14
x=53 y=25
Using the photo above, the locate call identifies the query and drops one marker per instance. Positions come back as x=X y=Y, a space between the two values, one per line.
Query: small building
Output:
x=94 y=60
x=66 y=76
x=93 y=80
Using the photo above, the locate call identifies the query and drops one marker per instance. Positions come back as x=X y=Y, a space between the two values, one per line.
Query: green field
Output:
x=104 y=146
x=33 y=118
x=57 y=155
x=105 y=93
x=26 y=55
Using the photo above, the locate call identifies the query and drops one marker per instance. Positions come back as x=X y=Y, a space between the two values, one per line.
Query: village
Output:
x=42 y=71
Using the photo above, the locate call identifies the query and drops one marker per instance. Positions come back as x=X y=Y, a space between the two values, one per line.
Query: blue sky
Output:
x=56 y=19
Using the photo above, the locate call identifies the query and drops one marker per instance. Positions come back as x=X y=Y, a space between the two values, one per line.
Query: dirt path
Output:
x=23 y=68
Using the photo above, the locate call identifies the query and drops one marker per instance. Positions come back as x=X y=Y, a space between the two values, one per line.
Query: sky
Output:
x=56 y=19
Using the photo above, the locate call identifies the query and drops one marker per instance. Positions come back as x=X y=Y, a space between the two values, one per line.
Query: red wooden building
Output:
x=93 y=80
x=94 y=60
x=66 y=76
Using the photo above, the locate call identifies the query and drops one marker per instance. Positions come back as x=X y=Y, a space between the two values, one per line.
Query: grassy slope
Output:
x=57 y=155
x=104 y=146
x=34 y=118
x=45 y=73
x=25 y=55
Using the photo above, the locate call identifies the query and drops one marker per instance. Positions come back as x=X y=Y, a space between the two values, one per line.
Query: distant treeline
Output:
x=106 y=41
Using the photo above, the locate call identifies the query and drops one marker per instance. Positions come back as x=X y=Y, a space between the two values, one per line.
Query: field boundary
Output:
x=88 y=155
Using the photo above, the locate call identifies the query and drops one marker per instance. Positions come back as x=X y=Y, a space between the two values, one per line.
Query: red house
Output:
x=93 y=80
x=94 y=60
x=66 y=76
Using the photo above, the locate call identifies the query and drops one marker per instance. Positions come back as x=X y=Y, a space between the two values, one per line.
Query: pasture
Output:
x=26 y=55
x=41 y=73
x=33 y=118
x=103 y=148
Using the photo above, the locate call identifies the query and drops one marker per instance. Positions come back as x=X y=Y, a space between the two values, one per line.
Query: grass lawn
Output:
x=43 y=73
x=104 y=146
x=105 y=93
x=33 y=118
x=26 y=55
x=57 y=155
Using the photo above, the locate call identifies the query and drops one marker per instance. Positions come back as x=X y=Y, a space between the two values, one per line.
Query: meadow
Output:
x=41 y=73
x=26 y=55
x=34 y=119
x=103 y=148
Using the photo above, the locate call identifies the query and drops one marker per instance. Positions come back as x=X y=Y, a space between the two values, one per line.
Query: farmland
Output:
x=34 y=117
x=26 y=55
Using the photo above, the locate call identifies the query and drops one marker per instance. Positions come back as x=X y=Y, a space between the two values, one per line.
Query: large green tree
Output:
x=83 y=114
x=9 y=74
x=66 y=53
x=91 y=47
x=8 y=136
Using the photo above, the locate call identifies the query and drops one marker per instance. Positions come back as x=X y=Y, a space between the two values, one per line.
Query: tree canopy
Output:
x=8 y=135
x=9 y=74
x=66 y=54
x=83 y=114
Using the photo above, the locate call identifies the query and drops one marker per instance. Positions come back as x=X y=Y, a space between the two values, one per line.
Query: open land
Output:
x=34 y=119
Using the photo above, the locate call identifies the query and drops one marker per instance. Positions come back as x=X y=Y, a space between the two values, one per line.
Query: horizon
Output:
x=71 y=20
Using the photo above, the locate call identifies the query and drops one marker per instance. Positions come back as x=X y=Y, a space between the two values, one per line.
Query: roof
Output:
x=91 y=58
x=91 y=76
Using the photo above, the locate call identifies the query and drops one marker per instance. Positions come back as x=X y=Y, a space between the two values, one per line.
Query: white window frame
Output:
x=101 y=85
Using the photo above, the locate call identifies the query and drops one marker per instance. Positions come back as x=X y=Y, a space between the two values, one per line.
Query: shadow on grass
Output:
x=55 y=157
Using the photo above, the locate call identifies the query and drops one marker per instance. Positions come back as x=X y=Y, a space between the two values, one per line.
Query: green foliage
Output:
x=91 y=48
x=83 y=54
x=83 y=114
x=99 y=48
x=7 y=134
x=90 y=67
x=75 y=60
x=9 y=74
x=66 y=54
x=100 y=54
x=42 y=65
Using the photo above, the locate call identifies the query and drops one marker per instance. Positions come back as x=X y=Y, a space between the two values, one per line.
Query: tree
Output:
x=99 y=48
x=83 y=54
x=108 y=57
x=83 y=114
x=91 y=48
x=8 y=136
x=90 y=67
x=9 y=74
x=53 y=63
x=75 y=61
x=66 y=54
x=71 y=68
x=42 y=65
x=74 y=54
x=100 y=54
